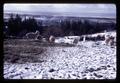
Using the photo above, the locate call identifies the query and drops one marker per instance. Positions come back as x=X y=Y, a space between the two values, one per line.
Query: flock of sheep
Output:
x=108 y=39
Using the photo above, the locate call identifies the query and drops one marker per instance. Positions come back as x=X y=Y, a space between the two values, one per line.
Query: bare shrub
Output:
x=32 y=35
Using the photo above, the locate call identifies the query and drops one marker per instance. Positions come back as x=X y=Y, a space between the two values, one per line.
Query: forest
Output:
x=67 y=27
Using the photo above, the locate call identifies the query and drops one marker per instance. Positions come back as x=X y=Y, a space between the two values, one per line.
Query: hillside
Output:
x=30 y=59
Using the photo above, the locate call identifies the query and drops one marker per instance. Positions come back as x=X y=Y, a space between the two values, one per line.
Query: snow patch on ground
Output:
x=87 y=60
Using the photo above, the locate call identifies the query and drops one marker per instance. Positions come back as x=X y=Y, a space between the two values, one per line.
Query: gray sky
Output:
x=69 y=9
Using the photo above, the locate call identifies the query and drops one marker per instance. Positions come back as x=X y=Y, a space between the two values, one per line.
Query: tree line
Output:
x=18 y=27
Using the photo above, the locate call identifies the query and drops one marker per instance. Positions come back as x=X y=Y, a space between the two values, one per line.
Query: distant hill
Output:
x=62 y=17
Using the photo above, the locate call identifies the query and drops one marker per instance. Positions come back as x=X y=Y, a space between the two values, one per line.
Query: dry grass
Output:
x=34 y=43
x=22 y=53
x=22 y=50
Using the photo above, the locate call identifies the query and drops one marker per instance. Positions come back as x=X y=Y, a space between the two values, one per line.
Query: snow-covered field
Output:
x=88 y=60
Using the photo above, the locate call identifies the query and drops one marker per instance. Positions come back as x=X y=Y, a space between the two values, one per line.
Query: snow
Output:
x=86 y=60
x=78 y=62
x=112 y=33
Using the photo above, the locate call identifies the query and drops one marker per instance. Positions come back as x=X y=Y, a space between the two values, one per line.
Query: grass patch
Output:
x=22 y=50
x=35 y=43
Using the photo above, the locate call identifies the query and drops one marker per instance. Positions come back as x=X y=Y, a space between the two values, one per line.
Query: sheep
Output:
x=109 y=40
x=32 y=35
x=112 y=41
x=68 y=41
x=72 y=40
x=51 y=39
x=84 y=38
x=44 y=40
x=76 y=40
x=39 y=37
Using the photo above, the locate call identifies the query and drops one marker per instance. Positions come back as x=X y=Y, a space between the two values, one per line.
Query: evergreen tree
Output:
x=14 y=25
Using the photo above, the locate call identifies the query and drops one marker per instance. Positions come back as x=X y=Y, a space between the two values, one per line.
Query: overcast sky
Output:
x=73 y=9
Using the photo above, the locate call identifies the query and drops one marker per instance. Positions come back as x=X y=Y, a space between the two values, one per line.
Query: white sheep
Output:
x=72 y=40
x=84 y=38
x=51 y=39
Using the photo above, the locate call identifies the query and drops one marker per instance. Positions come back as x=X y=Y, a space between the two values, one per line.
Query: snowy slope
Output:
x=89 y=60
